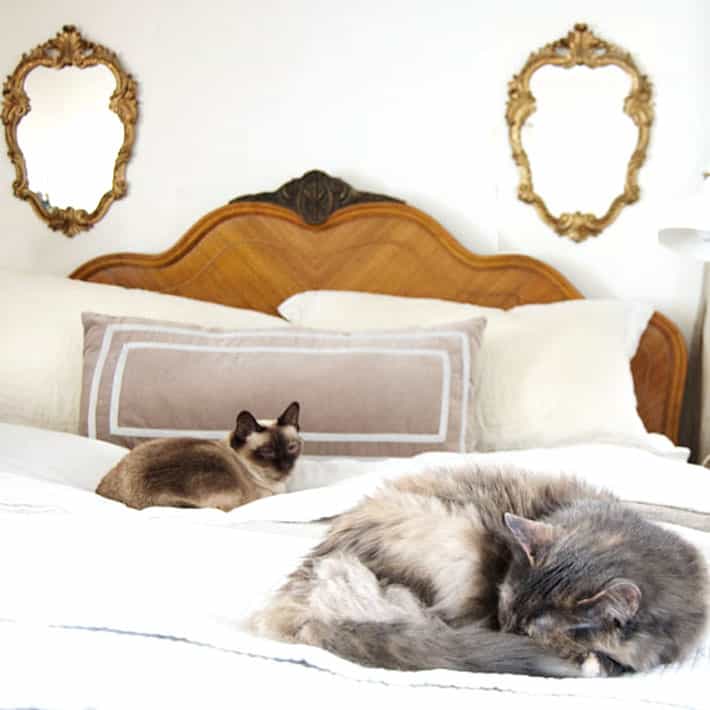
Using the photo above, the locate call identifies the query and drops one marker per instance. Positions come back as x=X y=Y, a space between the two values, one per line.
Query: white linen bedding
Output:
x=106 y=607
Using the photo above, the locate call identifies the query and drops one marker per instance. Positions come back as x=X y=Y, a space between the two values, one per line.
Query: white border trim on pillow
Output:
x=382 y=437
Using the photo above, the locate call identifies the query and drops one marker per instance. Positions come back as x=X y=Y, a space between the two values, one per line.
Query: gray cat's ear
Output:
x=246 y=425
x=290 y=415
x=619 y=601
x=533 y=536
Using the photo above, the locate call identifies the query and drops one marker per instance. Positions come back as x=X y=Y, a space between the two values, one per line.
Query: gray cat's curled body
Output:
x=495 y=570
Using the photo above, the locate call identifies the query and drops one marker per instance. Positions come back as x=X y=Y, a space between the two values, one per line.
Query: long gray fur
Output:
x=491 y=569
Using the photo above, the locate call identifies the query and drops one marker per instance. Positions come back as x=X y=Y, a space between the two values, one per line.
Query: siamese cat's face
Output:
x=272 y=447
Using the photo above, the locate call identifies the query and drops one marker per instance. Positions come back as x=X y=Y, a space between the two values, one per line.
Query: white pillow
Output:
x=319 y=471
x=56 y=456
x=551 y=374
x=42 y=346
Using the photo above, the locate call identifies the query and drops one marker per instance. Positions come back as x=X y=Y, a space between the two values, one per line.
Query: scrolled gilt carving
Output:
x=579 y=47
x=69 y=48
x=315 y=196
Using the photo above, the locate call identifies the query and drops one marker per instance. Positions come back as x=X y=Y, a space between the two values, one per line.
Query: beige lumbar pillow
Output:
x=365 y=394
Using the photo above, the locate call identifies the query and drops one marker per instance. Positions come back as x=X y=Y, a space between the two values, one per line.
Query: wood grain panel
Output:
x=255 y=254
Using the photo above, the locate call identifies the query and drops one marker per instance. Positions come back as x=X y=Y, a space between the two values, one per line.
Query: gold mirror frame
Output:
x=580 y=46
x=69 y=48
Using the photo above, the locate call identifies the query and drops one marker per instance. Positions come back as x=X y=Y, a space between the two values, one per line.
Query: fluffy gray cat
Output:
x=495 y=570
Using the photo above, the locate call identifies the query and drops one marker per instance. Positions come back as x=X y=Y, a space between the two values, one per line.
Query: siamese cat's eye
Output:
x=293 y=447
x=267 y=452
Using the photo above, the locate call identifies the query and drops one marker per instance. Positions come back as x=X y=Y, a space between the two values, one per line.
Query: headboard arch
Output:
x=255 y=253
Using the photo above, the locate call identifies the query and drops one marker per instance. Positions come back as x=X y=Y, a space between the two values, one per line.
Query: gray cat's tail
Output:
x=338 y=604
x=431 y=645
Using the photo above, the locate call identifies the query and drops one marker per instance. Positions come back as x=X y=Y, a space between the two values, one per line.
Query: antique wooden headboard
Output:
x=317 y=232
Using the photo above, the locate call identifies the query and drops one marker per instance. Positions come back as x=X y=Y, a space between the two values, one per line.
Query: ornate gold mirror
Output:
x=70 y=133
x=583 y=147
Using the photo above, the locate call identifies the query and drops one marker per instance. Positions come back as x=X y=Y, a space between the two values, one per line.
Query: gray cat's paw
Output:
x=591 y=667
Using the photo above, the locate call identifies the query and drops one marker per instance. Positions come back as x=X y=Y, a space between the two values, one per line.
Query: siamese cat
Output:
x=495 y=570
x=253 y=461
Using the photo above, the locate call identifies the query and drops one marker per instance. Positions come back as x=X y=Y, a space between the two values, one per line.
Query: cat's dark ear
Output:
x=290 y=415
x=532 y=536
x=618 y=601
x=246 y=425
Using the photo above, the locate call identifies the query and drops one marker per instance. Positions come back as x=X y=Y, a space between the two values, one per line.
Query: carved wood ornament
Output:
x=315 y=196
x=579 y=47
x=69 y=48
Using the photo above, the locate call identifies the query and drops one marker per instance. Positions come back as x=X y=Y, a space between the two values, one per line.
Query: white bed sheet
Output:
x=106 y=607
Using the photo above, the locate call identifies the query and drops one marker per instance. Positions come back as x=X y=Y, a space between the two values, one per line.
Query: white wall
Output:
x=405 y=97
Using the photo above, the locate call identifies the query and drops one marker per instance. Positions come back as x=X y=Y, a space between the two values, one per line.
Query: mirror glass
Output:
x=70 y=138
x=579 y=140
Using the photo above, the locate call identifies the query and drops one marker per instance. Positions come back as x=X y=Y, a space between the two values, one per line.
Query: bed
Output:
x=105 y=606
